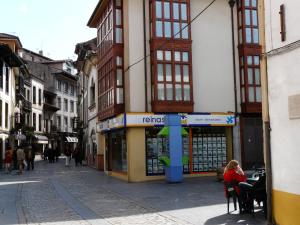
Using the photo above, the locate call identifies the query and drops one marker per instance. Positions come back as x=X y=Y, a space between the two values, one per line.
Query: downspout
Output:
x=268 y=159
x=231 y=4
x=145 y=56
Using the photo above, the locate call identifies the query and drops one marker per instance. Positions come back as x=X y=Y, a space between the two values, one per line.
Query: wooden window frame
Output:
x=170 y=44
x=247 y=49
x=107 y=67
x=241 y=9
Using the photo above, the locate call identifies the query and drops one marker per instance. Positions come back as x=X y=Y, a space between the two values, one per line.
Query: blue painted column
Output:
x=174 y=172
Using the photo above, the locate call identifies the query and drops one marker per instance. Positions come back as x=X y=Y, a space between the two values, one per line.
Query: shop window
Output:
x=157 y=146
x=119 y=151
x=209 y=147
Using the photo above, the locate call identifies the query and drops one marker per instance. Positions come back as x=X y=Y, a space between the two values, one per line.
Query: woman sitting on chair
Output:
x=233 y=173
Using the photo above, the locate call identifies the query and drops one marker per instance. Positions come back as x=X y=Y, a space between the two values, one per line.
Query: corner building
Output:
x=151 y=62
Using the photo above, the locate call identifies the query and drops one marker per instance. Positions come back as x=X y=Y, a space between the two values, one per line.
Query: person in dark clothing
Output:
x=51 y=155
x=15 y=160
x=31 y=157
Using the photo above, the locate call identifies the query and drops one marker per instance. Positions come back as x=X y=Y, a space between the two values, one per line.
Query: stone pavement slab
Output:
x=54 y=194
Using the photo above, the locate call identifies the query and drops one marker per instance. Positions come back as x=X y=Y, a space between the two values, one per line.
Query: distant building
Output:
x=88 y=104
x=12 y=93
x=64 y=85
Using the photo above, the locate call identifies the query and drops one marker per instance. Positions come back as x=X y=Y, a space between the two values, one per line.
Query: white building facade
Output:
x=37 y=99
x=283 y=53
x=7 y=104
x=185 y=69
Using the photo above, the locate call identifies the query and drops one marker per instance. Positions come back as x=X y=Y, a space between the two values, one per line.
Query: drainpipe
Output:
x=145 y=56
x=231 y=4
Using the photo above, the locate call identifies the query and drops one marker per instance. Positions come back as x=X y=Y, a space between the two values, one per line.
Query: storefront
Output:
x=133 y=147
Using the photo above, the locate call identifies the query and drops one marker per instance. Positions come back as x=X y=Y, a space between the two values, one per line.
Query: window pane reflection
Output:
x=160 y=92
x=167 y=29
x=248 y=35
x=254 y=17
x=183 y=12
x=255 y=36
x=175 y=11
x=257 y=76
x=177 y=73
x=185 y=31
x=169 y=92
x=251 y=94
x=168 y=72
x=186 y=73
x=178 y=92
x=167 y=10
x=176 y=30
x=160 y=72
x=250 y=76
x=158 y=9
x=186 y=92
x=247 y=17
x=159 y=30
x=258 y=94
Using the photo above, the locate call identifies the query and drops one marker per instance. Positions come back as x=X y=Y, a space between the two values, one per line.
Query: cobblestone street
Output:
x=53 y=194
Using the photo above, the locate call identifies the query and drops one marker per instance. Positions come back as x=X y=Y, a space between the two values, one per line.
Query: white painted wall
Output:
x=134 y=51
x=9 y=98
x=212 y=57
x=36 y=108
x=283 y=81
x=70 y=115
x=92 y=112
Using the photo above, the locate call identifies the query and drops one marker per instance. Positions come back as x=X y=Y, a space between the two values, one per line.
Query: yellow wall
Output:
x=286 y=208
x=136 y=153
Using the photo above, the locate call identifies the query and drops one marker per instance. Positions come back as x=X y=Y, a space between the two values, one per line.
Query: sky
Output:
x=54 y=26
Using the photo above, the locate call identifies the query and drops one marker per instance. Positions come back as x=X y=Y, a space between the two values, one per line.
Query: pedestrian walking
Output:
x=8 y=160
x=68 y=155
x=51 y=155
x=21 y=159
x=30 y=156
x=56 y=153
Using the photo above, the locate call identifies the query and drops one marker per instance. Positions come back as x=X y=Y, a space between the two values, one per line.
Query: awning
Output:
x=41 y=139
x=20 y=137
x=72 y=139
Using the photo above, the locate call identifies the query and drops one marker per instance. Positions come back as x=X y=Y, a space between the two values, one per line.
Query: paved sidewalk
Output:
x=54 y=194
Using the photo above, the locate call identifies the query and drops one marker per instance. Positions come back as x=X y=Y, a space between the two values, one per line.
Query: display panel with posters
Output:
x=157 y=146
x=209 y=148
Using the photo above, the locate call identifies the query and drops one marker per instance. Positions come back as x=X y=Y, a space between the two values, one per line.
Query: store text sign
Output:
x=186 y=119
x=150 y=119
x=144 y=120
